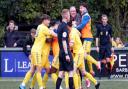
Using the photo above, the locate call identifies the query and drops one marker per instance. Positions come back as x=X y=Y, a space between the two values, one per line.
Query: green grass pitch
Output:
x=105 y=84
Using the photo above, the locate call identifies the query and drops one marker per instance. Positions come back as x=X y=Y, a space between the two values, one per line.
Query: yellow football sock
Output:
x=27 y=77
x=76 y=82
x=39 y=79
x=91 y=78
x=89 y=58
x=33 y=81
x=54 y=77
x=79 y=80
x=45 y=79
x=66 y=80
x=90 y=66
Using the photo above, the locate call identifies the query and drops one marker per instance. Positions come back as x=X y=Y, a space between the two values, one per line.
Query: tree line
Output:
x=27 y=11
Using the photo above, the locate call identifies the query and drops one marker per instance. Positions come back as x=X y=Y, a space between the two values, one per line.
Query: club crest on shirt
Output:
x=106 y=33
x=64 y=34
x=101 y=33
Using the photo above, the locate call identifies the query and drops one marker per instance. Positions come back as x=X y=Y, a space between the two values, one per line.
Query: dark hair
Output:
x=53 y=22
x=12 y=21
x=104 y=15
x=70 y=23
x=45 y=17
x=84 y=4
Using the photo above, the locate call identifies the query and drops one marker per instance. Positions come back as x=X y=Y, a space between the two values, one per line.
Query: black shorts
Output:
x=105 y=52
x=63 y=64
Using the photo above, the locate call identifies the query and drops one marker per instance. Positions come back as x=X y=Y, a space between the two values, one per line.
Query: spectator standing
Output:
x=75 y=17
x=11 y=25
x=11 y=36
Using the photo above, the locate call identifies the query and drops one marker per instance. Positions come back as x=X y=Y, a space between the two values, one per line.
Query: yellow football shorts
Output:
x=79 y=61
x=36 y=59
x=45 y=61
x=87 y=46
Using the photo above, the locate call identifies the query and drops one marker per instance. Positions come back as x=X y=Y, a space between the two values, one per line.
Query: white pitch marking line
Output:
x=102 y=80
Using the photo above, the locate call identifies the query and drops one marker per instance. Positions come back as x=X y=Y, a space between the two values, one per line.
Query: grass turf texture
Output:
x=105 y=84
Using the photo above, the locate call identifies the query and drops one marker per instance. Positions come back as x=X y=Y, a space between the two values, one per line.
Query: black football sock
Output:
x=71 y=83
x=58 y=83
x=109 y=69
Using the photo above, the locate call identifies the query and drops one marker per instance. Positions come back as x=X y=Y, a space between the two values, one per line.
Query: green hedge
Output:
x=1 y=36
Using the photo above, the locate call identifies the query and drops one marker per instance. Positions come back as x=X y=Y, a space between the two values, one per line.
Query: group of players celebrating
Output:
x=69 y=51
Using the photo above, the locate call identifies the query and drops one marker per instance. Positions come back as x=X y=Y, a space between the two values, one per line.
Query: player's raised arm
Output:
x=85 y=20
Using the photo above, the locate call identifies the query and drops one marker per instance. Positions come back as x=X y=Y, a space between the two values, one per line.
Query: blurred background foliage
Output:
x=27 y=11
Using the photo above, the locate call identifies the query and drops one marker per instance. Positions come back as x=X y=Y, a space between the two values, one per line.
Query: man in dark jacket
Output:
x=11 y=35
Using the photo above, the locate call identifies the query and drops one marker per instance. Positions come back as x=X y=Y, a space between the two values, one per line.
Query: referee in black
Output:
x=65 y=56
x=104 y=43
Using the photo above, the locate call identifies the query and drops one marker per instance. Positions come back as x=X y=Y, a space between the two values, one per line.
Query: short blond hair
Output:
x=64 y=12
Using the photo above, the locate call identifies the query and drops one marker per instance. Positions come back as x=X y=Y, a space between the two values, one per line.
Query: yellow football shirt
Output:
x=78 y=50
x=46 y=48
x=75 y=37
x=40 y=39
